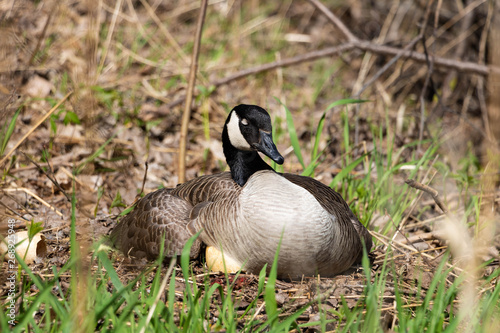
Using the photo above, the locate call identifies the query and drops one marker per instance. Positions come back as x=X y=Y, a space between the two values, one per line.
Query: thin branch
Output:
x=29 y=192
x=190 y=90
x=439 y=62
x=310 y=56
x=354 y=43
x=389 y=64
x=434 y=194
x=52 y=179
x=166 y=33
x=335 y=20
x=14 y=212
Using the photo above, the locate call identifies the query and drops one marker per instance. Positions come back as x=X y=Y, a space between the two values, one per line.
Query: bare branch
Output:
x=355 y=43
x=434 y=194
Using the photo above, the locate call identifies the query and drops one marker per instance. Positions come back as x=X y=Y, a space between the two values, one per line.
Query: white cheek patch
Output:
x=234 y=133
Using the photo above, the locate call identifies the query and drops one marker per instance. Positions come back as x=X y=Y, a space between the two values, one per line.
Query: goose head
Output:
x=247 y=131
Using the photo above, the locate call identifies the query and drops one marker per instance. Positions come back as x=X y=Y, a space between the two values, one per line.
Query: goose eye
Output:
x=244 y=121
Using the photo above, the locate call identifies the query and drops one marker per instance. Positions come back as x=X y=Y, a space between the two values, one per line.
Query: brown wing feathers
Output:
x=166 y=214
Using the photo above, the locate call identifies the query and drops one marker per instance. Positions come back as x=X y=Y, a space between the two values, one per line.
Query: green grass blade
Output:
x=294 y=140
x=317 y=137
x=5 y=137
x=345 y=101
x=269 y=292
x=345 y=171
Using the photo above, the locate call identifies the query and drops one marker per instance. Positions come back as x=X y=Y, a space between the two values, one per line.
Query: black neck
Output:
x=242 y=163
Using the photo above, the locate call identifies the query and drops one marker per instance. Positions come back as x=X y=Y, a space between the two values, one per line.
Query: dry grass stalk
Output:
x=190 y=91
x=29 y=192
x=32 y=129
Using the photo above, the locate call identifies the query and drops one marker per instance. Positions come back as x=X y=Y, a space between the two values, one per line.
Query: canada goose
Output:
x=248 y=211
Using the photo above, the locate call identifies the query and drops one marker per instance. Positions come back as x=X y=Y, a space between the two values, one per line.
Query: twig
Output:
x=446 y=63
x=29 y=192
x=35 y=127
x=52 y=179
x=13 y=212
x=258 y=311
x=382 y=70
x=336 y=21
x=421 y=237
x=410 y=243
x=379 y=236
x=313 y=55
x=75 y=178
x=435 y=195
x=492 y=110
x=414 y=204
x=459 y=52
x=376 y=77
x=23 y=205
x=190 y=91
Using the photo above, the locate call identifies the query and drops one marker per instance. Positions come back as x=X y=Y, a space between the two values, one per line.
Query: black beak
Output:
x=268 y=148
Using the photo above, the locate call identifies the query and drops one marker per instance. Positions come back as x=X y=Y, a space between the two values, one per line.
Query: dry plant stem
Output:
x=164 y=30
x=376 y=77
x=75 y=179
x=310 y=56
x=35 y=127
x=410 y=243
x=29 y=192
x=190 y=91
x=22 y=204
x=52 y=179
x=380 y=237
x=490 y=110
x=116 y=11
x=414 y=204
x=335 y=20
x=382 y=70
x=435 y=195
x=13 y=212
x=160 y=292
x=258 y=311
